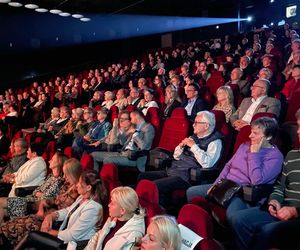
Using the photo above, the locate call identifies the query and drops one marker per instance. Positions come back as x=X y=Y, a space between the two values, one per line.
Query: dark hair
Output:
x=37 y=148
x=99 y=190
x=196 y=87
x=268 y=125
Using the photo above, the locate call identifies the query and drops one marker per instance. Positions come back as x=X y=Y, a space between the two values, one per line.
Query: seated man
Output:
x=258 y=102
x=140 y=140
x=256 y=227
x=203 y=149
x=235 y=78
x=194 y=103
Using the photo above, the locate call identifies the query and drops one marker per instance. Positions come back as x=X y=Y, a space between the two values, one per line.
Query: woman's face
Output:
x=83 y=188
x=148 y=96
x=256 y=135
x=67 y=177
x=53 y=165
x=152 y=240
x=115 y=210
x=221 y=95
x=169 y=94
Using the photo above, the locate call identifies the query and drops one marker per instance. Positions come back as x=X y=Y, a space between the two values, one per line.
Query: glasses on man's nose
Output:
x=199 y=122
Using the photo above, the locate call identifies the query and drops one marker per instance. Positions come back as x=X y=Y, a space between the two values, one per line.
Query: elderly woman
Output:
x=108 y=99
x=172 y=101
x=78 y=220
x=162 y=233
x=255 y=162
x=17 y=206
x=121 y=100
x=124 y=225
x=225 y=101
x=148 y=101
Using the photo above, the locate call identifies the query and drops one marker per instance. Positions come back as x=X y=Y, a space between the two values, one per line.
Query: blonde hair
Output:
x=169 y=232
x=128 y=200
x=73 y=168
x=228 y=92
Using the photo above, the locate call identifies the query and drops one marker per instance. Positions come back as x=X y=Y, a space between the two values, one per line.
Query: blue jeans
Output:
x=200 y=190
x=253 y=228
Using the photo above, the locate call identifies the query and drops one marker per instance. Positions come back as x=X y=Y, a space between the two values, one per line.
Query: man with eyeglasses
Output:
x=258 y=102
x=134 y=97
x=201 y=150
x=194 y=103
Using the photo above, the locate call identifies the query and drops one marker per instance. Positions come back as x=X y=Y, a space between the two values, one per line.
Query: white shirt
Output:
x=249 y=114
x=190 y=106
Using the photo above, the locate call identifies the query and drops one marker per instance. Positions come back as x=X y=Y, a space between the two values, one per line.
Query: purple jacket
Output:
x=246 y=168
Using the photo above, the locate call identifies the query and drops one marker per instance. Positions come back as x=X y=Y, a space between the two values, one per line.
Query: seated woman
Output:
x=172 y=101
x=17 y=206
x=162 y=233
x=225 y=101
x=124 y=225
x=255 y=162
x=13 y=231
x=31 y=173
x=96 y=133
x=78 y=220
x=148 y=101
x=108 y=99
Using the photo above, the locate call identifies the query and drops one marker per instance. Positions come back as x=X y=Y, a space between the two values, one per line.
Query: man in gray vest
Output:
x=201 y=150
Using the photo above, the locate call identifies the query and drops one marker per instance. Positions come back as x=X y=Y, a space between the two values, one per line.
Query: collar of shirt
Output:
x=139 y=126
x=259 y=99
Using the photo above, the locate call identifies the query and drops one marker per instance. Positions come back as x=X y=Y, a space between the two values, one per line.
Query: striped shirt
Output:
x=287 y=189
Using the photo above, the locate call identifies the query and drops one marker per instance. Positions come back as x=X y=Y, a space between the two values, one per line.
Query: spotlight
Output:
x=15 y=4
x=85 y=19
x=55 y=11
x=64 y=14
x=282 y=22
x=271 y=23
x=272 y=1
x=4 y=1
x=31 y=6
x=217 y=27
x=77 y=15
x=41 y=10
x=249 y=18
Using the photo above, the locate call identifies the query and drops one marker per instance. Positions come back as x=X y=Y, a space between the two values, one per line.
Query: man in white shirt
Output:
x=258 y=102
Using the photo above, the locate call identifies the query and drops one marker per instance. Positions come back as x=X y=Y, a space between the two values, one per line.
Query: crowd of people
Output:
x=104 y=112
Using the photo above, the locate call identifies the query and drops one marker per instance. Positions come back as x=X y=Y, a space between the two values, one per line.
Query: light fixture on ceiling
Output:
x=64 y=14
x=41 y=10
x=85 y=19
x=5 y=1
x=77 y=16
x=31 y=6
x=55 y=11
x=15 y=4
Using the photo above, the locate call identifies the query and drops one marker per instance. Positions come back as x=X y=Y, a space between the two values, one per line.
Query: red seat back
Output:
x=69 y=152
x=87 y=162
x=199 y=221
x=155 y=120
x=175 y=129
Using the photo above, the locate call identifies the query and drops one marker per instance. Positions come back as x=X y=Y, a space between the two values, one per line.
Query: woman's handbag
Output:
x=223 y=192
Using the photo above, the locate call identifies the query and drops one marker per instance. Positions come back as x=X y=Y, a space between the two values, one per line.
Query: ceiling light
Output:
x=77 y=15
x=31 y=6
x=64 y=14
x=15 y=4
x=4 y=1
x=85 y=19
x=41 y=10
x=55 y=11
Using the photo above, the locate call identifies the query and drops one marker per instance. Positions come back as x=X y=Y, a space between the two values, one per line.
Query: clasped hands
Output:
x=187 y=142
x=282 y=213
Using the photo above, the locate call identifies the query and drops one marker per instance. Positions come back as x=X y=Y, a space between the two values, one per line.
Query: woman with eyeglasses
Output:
x=172 y=101
x=125 y=224
x=78 y=220
x=14 y=230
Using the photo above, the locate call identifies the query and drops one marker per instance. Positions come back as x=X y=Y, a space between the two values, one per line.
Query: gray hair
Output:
x=109 y=94
x=209 y=118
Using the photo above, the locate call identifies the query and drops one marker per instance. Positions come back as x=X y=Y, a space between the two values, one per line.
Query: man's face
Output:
x=235 y=75
x=296 y=58
x=190 y=92
x=266 y=61
x=296 y=72
x=200 y=125
x=258 y=89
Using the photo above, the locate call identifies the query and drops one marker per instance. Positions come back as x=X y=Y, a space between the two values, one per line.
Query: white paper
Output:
x=189 y=238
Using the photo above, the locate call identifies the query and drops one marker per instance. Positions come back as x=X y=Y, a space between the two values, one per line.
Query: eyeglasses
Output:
x=257 y=86
x=86 y=112
x=190 y=90
x=123 y=119
x=199 y=122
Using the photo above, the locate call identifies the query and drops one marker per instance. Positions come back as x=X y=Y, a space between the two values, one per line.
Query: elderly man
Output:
x=277 y=225
x=140 y=141
x=244 y=85
x=258 y=102
x=202 y=149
